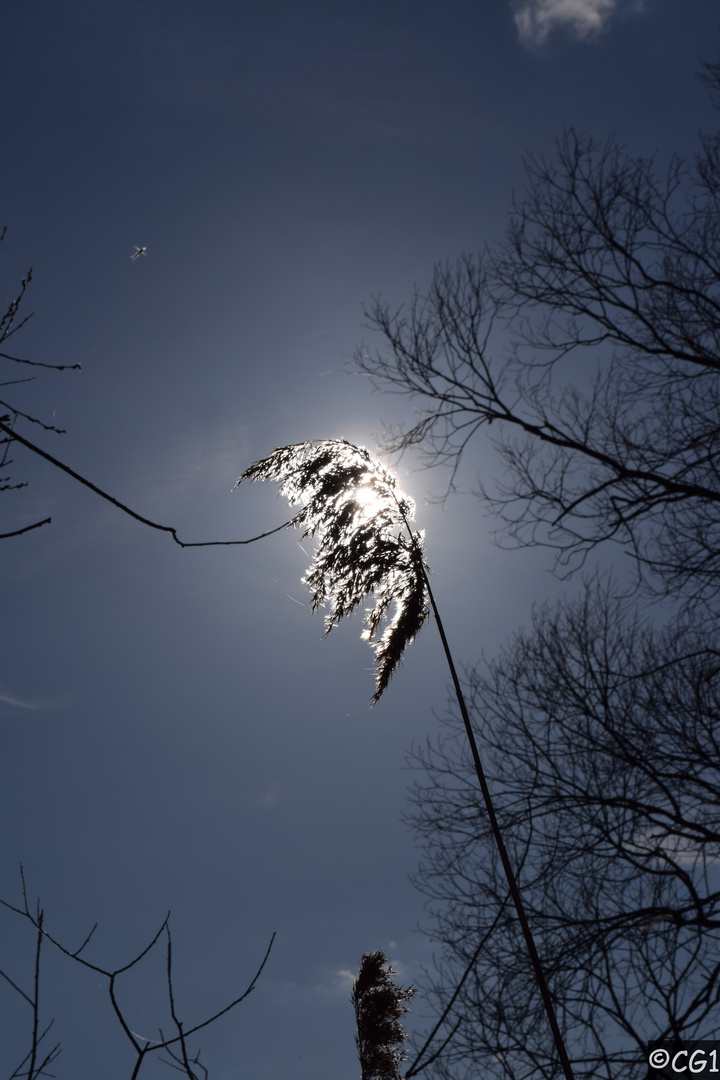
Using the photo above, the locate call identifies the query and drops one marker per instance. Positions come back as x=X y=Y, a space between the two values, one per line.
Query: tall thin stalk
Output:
x=504 y=857
x=351 y=503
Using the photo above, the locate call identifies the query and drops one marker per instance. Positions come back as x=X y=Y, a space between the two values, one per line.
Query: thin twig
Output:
x=36 y=999
x=140 y=1043
x=232 y=1004
x=415 y=1066
x=126 y=509
x=26 y=528
x=39 y=363
x=171 y=997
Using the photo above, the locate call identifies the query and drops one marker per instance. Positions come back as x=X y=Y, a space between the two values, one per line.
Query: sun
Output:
x=368 y=501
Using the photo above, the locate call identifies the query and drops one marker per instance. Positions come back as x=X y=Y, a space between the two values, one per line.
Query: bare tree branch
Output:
x=609 y=264
x=141 y=1045
x=26 y=528
x=601 y=738
x=126 y=509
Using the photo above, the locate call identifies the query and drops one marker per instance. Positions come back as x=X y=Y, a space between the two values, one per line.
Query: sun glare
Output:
x=368 y=501
x=350 y=502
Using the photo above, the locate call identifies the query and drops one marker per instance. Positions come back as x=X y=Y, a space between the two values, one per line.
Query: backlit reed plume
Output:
x=352 y=506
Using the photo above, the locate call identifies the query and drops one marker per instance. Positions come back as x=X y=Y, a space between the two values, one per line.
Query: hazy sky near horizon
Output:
x=176 y=732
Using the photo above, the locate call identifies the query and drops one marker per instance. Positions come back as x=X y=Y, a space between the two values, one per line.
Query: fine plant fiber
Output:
x=352 y=506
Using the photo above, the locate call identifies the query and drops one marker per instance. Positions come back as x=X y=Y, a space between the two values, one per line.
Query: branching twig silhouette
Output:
x=32 y=1068
x=423 y=1058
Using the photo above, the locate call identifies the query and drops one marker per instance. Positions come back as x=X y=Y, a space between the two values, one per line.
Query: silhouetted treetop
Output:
x=590 y=340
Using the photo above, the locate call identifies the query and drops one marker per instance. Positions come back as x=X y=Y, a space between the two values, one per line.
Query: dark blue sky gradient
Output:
x=176 y=733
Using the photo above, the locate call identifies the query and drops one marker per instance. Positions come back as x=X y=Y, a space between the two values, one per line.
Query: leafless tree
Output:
x=602 y=736
x=43 y=1051
x=590 y=340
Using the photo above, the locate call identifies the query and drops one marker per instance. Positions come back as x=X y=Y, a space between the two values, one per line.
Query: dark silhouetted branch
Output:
x=26 y=528
x=126 y=509
x=31 y=1068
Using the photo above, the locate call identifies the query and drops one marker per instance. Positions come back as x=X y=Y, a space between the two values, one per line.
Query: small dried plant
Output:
x=379 y=1003
x=352 y=505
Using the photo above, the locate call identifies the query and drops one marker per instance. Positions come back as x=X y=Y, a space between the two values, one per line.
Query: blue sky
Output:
x=176 y=732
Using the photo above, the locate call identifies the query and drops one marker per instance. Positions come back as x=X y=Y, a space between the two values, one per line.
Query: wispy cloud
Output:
x=33 y=706
x=584 y=19
x=346 y=978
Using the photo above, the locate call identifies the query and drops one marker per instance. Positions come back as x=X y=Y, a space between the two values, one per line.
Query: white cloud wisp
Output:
x=33 y=706
x=584 y=19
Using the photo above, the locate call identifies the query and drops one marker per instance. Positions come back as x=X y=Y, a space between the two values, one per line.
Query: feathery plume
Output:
x=352 y=505
x=379 y=1003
